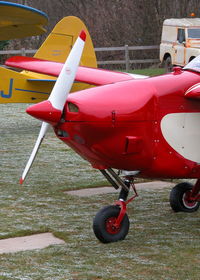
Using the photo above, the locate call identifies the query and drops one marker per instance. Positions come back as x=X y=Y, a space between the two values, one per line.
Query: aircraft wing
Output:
x=87 y=75
x=19 y=21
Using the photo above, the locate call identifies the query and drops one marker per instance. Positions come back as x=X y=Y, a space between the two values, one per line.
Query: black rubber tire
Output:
x=177 y=199
x=168 y=64
x=101 y=219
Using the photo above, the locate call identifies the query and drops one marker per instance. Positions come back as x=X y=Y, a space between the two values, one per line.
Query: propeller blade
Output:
x=41 y=135
x=62 y=88
x=59 y=94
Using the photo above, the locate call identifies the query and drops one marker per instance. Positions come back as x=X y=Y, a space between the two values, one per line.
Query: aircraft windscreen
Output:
x=193 y=65
x=194 y=33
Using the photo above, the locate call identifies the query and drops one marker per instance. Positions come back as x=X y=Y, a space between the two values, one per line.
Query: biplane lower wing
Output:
x=87 y=75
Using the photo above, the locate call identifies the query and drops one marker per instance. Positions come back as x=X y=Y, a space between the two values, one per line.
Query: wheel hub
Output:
x=187 y=202
x=111 y=227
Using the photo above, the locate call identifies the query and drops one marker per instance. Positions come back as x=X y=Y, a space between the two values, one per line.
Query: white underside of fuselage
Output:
x=182 y=133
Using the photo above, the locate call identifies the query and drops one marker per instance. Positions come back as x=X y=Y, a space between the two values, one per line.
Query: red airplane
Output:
x=144 y=127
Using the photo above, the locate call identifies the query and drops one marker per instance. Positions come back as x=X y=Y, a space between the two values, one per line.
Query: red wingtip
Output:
x=21 y=181
x=83 y=35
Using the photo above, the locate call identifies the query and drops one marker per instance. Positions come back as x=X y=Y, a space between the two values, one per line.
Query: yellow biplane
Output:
x=27 y=86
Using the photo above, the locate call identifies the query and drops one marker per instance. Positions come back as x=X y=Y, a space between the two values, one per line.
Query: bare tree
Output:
x=115 y=22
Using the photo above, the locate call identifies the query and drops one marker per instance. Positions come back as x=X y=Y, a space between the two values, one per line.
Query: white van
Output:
x=180 y=41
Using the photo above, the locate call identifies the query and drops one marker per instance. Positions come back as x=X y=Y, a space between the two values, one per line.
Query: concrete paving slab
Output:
x=93 y=191
x=105 y=190
x=31 y=242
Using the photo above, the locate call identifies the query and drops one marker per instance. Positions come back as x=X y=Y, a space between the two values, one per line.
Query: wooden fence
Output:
x=125 y=49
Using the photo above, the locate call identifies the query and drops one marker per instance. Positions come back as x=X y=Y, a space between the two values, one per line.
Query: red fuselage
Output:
x=119 y=125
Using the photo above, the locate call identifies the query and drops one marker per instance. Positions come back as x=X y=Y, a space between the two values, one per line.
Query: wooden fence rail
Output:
x=126 y=49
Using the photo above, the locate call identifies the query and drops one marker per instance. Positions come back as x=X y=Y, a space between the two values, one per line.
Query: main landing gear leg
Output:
x=111 y=223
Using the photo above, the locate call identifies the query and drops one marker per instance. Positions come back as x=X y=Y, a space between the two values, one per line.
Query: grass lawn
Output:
x=149 y=71
x=160 y=244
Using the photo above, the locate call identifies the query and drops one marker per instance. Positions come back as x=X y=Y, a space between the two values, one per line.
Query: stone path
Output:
x=43 y=240
x=104 y=190
x=31 y=242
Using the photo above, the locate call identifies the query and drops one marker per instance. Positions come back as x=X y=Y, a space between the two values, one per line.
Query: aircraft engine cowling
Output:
x=109 y=125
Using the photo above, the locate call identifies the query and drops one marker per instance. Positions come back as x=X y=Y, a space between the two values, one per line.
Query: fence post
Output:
x=127 y=59
x=23 y=52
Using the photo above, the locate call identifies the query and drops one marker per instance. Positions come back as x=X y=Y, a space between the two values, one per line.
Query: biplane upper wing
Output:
x=87 y=75
x=18 y=21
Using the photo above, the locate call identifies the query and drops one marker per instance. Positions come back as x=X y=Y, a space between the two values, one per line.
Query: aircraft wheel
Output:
x=103 y=225
x=178 y=198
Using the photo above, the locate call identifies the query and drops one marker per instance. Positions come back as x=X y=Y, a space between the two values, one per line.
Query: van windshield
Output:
x=194 y=33
x=193 y=65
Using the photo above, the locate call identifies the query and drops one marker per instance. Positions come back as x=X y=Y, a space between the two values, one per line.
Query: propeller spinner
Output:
x=51 y=109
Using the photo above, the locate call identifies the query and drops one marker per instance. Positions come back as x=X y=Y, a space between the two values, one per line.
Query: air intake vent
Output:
x=73 y=108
